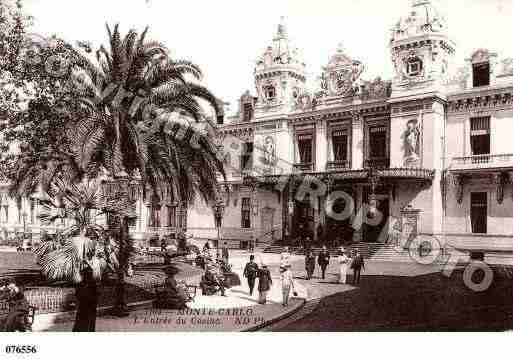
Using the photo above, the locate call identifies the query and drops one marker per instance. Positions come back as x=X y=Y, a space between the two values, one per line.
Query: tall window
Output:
x=481 y=74
x=378 y=142
x=478 y=211
x=480 y=138
x=247 y=156
x=154 y=220
x=305 y=148
x=32 y=211
x=247 y=112
x=339 y=140
x=171 y=216
x=5 y=215
x=18 y=207
x=246 y=213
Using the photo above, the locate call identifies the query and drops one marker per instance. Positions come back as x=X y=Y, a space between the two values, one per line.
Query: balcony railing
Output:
x=337 y=165
x=377 y=162
x=482 y=161
x=304 y=167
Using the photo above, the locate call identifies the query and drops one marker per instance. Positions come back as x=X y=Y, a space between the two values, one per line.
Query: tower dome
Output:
x=423 y=18
x=421 y=50
x=280 y=73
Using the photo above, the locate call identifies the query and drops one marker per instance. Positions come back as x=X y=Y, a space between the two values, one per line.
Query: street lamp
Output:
x=374 y=182
x=218 y=217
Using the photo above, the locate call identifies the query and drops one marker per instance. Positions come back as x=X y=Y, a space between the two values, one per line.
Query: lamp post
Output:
x=121 y=186
x=218 y=217
x=374 y=182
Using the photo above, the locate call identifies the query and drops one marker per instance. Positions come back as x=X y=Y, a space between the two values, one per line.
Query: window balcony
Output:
x=377 y=162
x=338 y=165
x=482 y=162
x=304 y=167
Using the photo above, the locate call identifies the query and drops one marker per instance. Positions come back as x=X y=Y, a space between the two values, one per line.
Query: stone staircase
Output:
x=370 y=251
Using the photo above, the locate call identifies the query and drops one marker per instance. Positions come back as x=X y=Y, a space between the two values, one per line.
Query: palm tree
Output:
x=83 y=243
x=132 y=107
x=132 y=95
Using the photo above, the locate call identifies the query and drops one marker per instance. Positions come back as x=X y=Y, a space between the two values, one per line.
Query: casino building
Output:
x=424 y=153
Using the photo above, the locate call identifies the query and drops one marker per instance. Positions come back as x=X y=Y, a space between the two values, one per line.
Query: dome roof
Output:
x=423 y=18
x=280 y=53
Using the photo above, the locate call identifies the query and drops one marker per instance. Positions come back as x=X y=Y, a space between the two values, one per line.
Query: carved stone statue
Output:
x=411 y=143
x=269 y=151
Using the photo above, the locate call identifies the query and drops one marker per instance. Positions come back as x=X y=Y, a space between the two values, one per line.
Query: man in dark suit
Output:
x=357 y=265
x=225 y=253
x=323 y=260
x=251 y=272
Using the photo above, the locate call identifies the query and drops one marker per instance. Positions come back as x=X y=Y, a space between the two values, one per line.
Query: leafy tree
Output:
x=130 y=111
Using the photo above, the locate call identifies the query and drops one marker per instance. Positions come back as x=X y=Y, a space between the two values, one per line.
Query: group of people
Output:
x=355 y=262
x=213 y=280
x=17 y=317
x=252 y=271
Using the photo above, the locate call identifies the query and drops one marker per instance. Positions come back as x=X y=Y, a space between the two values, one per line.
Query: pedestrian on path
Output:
x=87 y=302
x=309 y=264
x=264 y=283
x=323 y=260
x=287 y=283
x=285 y=257
x=225 y=253
x=251 y=272
x=357 y=265
x=343 y=261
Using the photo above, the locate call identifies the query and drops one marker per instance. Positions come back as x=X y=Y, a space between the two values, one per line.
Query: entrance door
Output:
x=371 y=229
x=338 y=230
x=267 y=225
x=303 y=222
x=478 y=212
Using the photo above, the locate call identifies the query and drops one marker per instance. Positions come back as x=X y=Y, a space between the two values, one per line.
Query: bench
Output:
x=29 y=319
x=161 y=295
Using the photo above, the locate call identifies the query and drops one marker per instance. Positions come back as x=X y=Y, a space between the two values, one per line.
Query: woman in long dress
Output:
x=343 y=262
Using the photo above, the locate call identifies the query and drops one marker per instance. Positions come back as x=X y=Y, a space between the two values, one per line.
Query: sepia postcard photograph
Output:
x=255 y=166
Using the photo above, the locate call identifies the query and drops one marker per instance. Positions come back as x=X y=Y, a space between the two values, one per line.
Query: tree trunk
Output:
x=121 y=307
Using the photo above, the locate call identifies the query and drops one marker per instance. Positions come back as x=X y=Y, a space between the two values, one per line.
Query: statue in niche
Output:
x=412 y=143
x=269 y=151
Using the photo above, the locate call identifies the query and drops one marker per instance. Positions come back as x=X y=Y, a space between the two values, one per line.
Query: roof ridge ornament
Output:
x=282 y=29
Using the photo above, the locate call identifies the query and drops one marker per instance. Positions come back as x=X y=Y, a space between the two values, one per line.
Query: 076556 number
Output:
x=20 y=349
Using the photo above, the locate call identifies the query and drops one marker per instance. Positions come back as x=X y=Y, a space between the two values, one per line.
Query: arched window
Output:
x=269 y=92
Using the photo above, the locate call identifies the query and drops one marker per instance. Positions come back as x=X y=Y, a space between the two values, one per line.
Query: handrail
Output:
x=485 y=158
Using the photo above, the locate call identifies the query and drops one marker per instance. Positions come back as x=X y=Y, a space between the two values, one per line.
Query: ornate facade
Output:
x=429 y=144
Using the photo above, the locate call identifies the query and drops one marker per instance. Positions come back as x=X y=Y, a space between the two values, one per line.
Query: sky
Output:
x=225 y=37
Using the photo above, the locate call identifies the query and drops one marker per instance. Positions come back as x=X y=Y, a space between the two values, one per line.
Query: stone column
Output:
x=321 y=155
x=358 y=231
x=290 y=209
x=316 y=217
x=357 y=147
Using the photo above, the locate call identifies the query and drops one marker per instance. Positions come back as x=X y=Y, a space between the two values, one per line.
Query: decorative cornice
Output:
x=413 y=173
x=489 y=99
